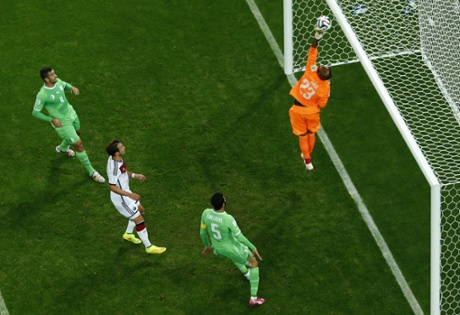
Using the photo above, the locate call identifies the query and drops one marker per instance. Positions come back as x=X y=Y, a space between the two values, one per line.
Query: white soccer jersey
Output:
x=117 y=173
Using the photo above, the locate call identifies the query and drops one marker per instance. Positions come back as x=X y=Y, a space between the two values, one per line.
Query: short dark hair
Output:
x=217 y=201
x=44 y=72
x=325 y=75
x=112 y=147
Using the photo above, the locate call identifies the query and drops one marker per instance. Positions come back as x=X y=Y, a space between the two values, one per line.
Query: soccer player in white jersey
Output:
x=62 y=117
x=124 y=200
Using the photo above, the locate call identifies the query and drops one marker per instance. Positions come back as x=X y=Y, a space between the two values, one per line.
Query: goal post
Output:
x=410 y=50
x=288 y=38
x=435 y=251
x=298 y=20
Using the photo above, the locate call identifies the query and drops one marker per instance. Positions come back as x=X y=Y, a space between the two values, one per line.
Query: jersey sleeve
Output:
x=112 y=173
x=233 y=226
x=242 y=239
x=38 y=107
x=67 y=86
x=203 y=232
x=312 y=56
x=238 y=234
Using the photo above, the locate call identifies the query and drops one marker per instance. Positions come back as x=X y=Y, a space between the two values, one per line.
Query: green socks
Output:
x=254 y=280
x=83 y=157
x=64 y=145
x=241 y=267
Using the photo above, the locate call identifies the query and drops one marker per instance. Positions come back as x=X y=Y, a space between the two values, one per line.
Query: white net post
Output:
x=435 y=251
x=411 y=50
x=299 y=18
x=288 y=38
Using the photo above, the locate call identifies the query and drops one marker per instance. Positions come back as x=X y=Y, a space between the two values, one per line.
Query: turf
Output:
x=197 y=96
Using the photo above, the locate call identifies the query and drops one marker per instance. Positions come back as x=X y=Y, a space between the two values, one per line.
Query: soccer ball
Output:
x=323 y=23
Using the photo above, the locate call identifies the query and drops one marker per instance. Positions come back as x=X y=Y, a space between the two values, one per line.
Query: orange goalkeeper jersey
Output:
x=310 y=90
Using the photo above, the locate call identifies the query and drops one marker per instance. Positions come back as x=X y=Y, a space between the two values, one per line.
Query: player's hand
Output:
x=74 y=90
x=256 y=253
x=134 y=196
x=206 y=251
x=140 y=177
x=319 y=34
x=318 y=29
x=56 y=123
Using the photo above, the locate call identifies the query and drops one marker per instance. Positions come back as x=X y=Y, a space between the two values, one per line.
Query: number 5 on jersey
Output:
x=216 y=234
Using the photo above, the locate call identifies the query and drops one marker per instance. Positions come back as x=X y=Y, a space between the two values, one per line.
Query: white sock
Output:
x=144 y=236
x=130 y=227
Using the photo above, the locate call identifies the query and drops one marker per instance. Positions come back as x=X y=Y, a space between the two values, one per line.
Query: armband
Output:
x=132 y=175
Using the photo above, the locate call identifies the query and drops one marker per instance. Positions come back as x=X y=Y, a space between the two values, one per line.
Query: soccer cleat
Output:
x=256 y=301
x=307 y=163
x=97 y=177
x=68 y=152
x=131 y=238
x=155 y=250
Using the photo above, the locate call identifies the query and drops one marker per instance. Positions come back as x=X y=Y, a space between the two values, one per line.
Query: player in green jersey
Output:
x=228 y=241
x=62 y=117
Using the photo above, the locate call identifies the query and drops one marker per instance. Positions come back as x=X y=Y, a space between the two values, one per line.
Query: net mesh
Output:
x=414 y=46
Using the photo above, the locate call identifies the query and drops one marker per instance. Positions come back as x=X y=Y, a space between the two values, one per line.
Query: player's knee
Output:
x=79 y=146
x=141 y=209
x=140 y=226
x=253 y=263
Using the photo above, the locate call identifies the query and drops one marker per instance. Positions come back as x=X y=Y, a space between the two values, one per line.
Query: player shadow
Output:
x=209 y=158
x=126 y=263
x=55 y=191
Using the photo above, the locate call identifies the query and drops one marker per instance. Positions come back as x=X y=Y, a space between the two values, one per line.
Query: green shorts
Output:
x=238 y=253
x=69 y=128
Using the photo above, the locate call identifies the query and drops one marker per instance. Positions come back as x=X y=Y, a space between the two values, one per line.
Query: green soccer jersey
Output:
x=55 y=102
x=223 y=230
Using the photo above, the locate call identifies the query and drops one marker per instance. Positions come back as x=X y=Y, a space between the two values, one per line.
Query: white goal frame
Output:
x=435 y=253
x=435 y=185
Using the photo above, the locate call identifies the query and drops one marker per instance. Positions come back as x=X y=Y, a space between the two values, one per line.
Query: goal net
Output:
x=410 y=49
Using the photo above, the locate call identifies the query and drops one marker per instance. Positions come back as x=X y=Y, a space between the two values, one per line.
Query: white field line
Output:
x=3 y=309
x=344 y=175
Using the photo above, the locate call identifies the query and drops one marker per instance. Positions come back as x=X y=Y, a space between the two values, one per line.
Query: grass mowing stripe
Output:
x=344 y=175
x=3 y=309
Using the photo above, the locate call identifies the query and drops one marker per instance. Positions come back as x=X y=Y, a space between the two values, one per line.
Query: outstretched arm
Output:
x=314 y=44
x=204 y=237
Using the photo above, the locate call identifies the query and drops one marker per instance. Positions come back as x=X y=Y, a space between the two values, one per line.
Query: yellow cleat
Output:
x=155 y=250
x=131 y=238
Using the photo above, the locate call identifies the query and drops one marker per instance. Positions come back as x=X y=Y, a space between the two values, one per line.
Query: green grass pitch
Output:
x=197 y=96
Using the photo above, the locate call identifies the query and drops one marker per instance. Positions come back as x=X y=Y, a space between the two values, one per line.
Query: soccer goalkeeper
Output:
x=228 y=241
x=310 y=93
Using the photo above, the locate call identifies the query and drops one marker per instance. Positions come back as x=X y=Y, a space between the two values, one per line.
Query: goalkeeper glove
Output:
x=319 y=34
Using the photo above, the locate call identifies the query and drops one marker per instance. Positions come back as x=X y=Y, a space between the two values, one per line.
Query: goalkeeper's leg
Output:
x=311 y=141
x=304 y=143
